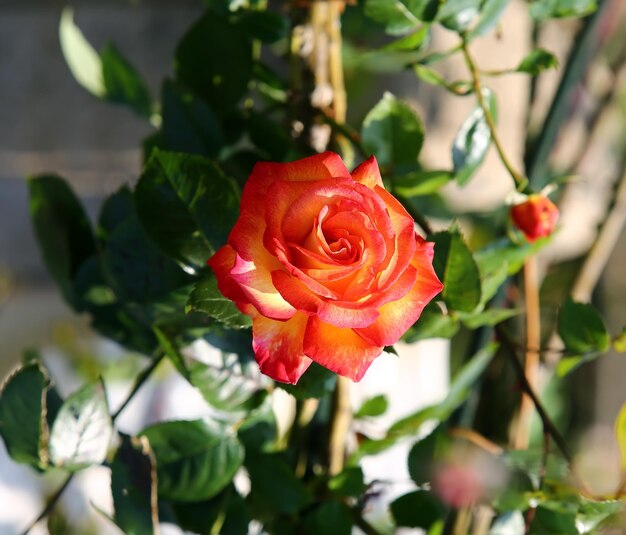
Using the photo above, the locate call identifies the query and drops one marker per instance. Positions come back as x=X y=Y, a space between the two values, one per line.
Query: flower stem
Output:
x=520 y=180
x=339 y=425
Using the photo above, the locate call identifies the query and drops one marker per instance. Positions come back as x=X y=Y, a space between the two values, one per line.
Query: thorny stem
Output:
x=533 y=341
x=520 y=181
x=139 y=381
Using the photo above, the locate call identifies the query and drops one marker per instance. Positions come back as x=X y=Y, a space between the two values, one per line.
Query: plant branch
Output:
x=533 y=341
x=50 y=505
x=518 y=178
x=546 y=421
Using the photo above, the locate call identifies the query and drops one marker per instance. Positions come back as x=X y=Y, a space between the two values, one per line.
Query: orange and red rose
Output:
x=327 y=264
x=536 y=217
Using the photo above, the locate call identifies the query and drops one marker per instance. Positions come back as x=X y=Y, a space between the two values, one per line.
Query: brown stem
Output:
x=546 y=421
x=533 y=341
x=518 y=178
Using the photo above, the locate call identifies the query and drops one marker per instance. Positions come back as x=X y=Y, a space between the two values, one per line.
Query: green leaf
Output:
x=546 y=9
x=258 y=430
x=433 y=323
x=62 y=230
x=582 y=329
x=456 y=268
x=226 y=511
x=492 y=316
x=411 y=42
x=80 y=56
x=23 y=423
x=460 y=389
x=316 y=382
x=329 y=517
x=122 y=82
x=134 y=487
x=82 y=430
x=266 y=26
x=201 y=205
x=188 y=123
x=537 y=61
x=375 y=406
x=472 y=141
x=458 y=15
x=549 y=520
x=223 y=388
x=491 y=258
x=592 y=514
x=401 y=16
x=417 y=509
x=490 y=14
x=195 y=460
x=214 y=58
x=207 y=298
x=137 y=270
x=349 y=482
x=394 y=133
x=421 y=183
x=274 y=485
x=425 y=453
x=620 y=433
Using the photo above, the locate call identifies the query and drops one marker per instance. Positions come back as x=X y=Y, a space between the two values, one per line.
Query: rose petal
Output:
x=340 y=350
x=397 y=316
x=298 y=295
x=316 y=167
x=222 y=262
x=278 y=347
x=368 y=173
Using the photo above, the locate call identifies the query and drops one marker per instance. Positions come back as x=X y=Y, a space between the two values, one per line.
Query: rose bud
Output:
x=326 y=263
x=536 y=217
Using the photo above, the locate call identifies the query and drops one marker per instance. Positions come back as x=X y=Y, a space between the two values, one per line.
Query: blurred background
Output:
x=51 y=124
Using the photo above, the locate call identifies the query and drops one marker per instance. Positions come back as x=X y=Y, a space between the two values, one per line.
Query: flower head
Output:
x=327 y=264
x=536 y=217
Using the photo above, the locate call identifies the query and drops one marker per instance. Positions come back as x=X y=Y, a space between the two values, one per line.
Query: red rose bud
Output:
x=328 y=265
x=536 y=217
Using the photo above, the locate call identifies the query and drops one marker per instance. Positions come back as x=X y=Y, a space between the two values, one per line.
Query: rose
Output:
x=327 y=264
x=536 y=217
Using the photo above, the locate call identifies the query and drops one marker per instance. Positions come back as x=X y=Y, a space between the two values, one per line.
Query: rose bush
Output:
x=536 y=217
x=327 y=264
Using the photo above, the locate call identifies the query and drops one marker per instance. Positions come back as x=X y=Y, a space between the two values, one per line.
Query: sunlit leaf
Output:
x=472 y=140
x=82 y=430
x=393 y=132
x=81 y=58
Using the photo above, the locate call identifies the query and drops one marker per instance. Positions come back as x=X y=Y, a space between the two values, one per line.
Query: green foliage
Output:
x=375 y=406
x=23 y=409
x=473 y=140
x=195 y=460
x=457 y=269
x=82 y=429
x=201 y=203
x=206 y=298
x=418 y=509
x=134 y=487
x=537 y=61
x=546 y=9
x=394 y=133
